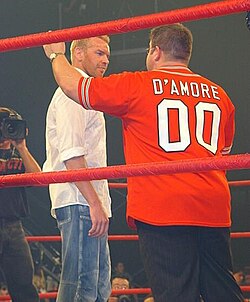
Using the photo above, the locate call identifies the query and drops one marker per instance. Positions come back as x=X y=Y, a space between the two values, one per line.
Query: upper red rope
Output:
x=209 y=10
x=230 y=162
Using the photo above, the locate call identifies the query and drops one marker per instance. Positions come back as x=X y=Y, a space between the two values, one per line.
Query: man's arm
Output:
x=99 y=217
x=71 y=126
x=30 y=164
x=66 y=76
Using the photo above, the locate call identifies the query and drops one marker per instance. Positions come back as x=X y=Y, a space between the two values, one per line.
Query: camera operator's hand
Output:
x=19 y=144
x=29 y=162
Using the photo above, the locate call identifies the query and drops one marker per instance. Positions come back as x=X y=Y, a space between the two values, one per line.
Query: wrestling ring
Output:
x=232 y=162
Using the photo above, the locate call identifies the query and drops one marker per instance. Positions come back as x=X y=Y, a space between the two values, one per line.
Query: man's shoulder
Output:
x=84 y=74
x=60 y=99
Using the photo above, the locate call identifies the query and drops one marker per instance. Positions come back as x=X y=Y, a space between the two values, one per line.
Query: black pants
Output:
x=184 y=263
x=16 y=262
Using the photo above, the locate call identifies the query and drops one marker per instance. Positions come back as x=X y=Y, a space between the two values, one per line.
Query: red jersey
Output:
x=169 y=114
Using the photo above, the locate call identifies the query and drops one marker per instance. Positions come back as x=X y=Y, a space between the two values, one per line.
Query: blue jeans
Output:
x=86 y=269
x=184 y=262
x=16 y=262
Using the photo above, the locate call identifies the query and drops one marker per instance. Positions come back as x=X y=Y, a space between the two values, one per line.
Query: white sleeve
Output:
x=70 y=126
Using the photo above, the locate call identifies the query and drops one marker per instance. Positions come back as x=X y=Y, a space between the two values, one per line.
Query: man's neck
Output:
x=172 y=63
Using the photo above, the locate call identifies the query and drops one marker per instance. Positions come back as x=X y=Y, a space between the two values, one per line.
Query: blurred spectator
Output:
x=239 y=277
x=242 y=277
x=247 y=275
x=4 y=291
x=246 y=281
x=121 y=282
x=119 y=269
x=39 y=280
x=149 y=298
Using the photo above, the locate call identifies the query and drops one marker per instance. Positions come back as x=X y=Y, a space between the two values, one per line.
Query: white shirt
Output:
x=72 y=131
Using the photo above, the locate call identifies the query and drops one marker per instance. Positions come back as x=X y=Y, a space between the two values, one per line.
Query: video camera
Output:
x=12 y=126
x=124 y=298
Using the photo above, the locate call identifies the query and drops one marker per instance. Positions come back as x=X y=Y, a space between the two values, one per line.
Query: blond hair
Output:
x=83 y=43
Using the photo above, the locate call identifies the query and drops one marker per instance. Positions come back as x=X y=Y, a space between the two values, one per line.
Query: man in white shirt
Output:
x=76 y=138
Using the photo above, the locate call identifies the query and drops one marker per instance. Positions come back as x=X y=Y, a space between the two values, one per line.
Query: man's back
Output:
x=171 y=114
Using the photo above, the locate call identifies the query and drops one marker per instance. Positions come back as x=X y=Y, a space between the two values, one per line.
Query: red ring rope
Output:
x=235 y=183
x=128 y=24
x=119 y=237
x=230 y=162
x=116 y=292
x=114 y=27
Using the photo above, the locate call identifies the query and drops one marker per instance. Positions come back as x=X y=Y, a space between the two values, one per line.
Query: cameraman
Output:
x=15 y=256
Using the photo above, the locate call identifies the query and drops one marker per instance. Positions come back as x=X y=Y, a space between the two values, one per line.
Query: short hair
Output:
x=8 y=112
x=175 y=40
x=6 y=109
x=83 y=43
x=121 y=276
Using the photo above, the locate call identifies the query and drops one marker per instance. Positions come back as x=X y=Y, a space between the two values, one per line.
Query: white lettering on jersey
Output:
x=200 y=109
x=205 y=91
x=193 y=89
x=215 y=92
x=195 y=92
x=181 y=88
x=184 y=88
x=158 y=87
x=174 y=89
x=165 y=125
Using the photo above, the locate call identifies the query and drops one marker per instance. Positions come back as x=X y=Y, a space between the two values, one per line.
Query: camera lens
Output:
x=11 y=129
x=14 y=129
x=124 y=298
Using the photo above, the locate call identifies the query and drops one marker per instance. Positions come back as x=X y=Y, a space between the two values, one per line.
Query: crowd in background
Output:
x=123 y=280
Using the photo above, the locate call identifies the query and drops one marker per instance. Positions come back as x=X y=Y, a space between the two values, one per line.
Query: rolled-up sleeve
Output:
x=71 y=124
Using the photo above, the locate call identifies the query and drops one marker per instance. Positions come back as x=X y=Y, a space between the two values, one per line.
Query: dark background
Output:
x=221 y=52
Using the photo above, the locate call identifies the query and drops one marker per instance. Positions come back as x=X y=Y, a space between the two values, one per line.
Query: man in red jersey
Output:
x=170 y=113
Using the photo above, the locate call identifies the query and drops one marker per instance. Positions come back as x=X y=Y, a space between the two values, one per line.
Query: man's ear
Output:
x=78 y=53
x=157 y=53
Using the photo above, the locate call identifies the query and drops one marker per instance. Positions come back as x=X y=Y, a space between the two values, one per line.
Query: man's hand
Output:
x=30 y=164
x=100 y=221
x=98 y=214
x=66 y=76
x=19 y=144
x=54 y=48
